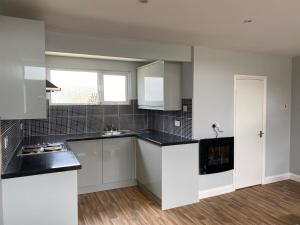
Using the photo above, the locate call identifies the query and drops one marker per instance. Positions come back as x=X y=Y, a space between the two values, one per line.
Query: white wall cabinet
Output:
x=106 y=164
x=118 y=159
x=22 y=69
x=159 y=86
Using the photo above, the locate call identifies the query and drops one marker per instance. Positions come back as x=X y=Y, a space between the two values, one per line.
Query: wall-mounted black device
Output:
x=216 y=155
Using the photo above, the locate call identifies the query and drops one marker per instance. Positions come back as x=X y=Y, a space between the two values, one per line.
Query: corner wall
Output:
x=295 y=120
x=213 y=101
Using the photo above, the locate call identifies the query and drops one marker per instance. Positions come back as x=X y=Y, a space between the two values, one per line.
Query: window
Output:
x=114 y=87
x=89 y=87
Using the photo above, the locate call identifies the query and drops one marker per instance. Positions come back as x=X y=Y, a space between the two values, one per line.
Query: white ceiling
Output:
x=213 y=23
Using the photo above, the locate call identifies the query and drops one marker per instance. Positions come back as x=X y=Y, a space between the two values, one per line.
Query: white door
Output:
x=249 y=129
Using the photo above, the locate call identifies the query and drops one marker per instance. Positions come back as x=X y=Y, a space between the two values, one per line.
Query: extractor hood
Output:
x=51 y=87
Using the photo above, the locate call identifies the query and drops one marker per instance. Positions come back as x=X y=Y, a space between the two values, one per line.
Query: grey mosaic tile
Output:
x=58 y=111
x=168 y=126
x=110 y=110
x=95 y=110
x=27 y=127
x=95 y=124
x=140 y=122
x=39 y=127
x=125 y=109
x=77 y=110
x=158 y=123
x=187 y=128
x=14 y=136
x=136 y=110
x=126 y=122
x=6 y=124
x=58 y=125
x=77 y=125
x=110 y=121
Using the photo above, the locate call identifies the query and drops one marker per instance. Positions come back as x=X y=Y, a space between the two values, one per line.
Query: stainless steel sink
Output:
x=115 y=132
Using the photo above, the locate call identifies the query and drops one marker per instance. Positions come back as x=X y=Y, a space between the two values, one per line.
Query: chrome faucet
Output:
x=110 y=128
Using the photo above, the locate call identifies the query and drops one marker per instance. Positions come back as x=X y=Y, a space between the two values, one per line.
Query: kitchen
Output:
x=106 y=136
x=101 y=130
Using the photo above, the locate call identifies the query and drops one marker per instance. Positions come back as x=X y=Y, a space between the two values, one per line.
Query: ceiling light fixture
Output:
x=248 y=21
x=143 y=1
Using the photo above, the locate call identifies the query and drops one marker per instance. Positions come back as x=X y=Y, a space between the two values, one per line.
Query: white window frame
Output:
x=100 y=84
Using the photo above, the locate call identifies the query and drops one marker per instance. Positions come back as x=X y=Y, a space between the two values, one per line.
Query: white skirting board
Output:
x=108 y=186
x=276 y=178
x=216 y=191
x=295 y=177
x=230 y=188
x=281 y=177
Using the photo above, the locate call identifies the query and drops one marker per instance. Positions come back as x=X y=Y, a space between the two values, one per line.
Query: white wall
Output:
x=214 y=72
x=187 y=74
x=295 y=121
x=73 y=43
x=95 y=64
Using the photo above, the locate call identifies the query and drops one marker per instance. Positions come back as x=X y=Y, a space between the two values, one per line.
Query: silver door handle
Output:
x=261 y=134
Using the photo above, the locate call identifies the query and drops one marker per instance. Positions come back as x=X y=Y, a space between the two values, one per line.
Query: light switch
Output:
x=177 y=123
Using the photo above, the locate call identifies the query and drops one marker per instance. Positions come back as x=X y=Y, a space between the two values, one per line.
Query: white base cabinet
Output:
x=89 y=155
x=106 y=164
x=118 y=160
x=47 y=199
x=169 y=172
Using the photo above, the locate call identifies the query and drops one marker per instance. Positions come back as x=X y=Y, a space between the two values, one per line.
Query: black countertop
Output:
x=164 y=139
x=20 y=166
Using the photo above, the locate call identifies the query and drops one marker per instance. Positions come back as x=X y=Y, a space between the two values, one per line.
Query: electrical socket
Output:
x=6 y=142
x=177 y=123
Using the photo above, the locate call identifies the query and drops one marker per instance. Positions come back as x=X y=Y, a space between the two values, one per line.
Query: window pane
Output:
x=114 y=88
x=77 y=87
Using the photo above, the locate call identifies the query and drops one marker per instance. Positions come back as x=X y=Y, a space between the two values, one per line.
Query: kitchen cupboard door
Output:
x=159 y=86
x=151 y=85
x=22 y=69
x=149 y=166
x=118 y=159
x=89 y=154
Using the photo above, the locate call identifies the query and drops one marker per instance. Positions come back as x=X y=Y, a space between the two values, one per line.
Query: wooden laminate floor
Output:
x=277 y=203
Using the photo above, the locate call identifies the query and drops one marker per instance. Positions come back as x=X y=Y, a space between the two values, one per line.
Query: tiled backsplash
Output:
x=165 y=120
x=78 y=119
x=12 y=130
